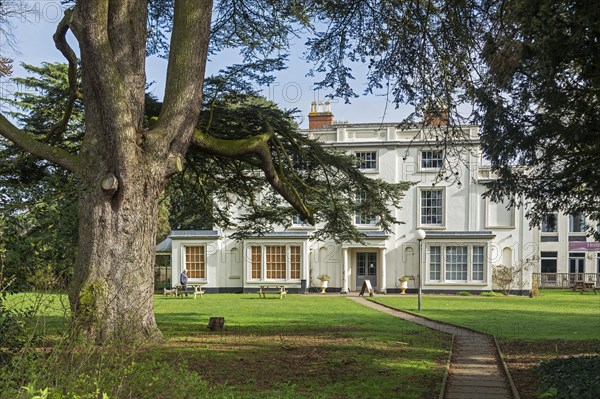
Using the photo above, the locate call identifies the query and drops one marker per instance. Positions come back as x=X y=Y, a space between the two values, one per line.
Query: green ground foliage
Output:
x=571 y=378
x=555 y=314
x=298 y=347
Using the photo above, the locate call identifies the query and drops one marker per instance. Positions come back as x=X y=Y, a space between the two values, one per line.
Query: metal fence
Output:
x=565 y=280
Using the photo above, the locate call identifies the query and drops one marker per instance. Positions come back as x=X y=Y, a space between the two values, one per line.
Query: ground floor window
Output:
x=577 y=263
x=275 y=262
x=548 y=262
x=456 y=263
x=435 y=264
x=465 y=263
x=478 y=263
x=598 y=262
x=195 y=262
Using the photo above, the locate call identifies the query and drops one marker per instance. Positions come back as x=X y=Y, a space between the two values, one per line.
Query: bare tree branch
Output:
x=61 y=44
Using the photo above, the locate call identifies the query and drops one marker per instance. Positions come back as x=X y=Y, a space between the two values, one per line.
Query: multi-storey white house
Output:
x=567 y=253
x=465 y=234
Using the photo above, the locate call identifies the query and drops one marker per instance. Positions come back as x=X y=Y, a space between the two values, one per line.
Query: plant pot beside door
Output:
x=324 y=278
x=403 y=284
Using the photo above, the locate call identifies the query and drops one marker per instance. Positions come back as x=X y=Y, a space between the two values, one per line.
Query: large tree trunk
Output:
x=112 y=294
x=123 y=165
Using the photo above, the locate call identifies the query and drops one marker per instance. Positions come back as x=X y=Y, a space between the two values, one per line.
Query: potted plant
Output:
x=324 y=282
x=403 y=284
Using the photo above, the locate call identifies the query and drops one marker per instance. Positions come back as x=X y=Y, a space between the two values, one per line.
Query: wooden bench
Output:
x=270 y=289
x=584 y=286
x=197 y=290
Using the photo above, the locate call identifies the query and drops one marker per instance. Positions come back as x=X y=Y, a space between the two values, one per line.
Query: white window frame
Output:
x=542 y=224
x=443 y=263
x=544 y=255
x=288 y=261
x=184 y=263
x=422 y=159
x=359 y=155
x=420 y=223
x=358 y=218
x=581 y=217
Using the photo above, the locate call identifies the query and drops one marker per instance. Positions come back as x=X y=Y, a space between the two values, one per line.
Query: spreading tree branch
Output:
x=257 y=146
x=28 y=143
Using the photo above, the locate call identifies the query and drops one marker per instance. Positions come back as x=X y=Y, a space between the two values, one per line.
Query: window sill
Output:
x=367 y=226
x=300 y=227
x=431 y=227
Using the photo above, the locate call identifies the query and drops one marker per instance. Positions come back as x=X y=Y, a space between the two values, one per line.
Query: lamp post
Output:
x=420 y=236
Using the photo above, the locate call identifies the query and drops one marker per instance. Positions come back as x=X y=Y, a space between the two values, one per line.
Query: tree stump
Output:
x=216 y=323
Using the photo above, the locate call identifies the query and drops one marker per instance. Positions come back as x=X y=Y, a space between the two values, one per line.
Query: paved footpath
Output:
x=475 y=371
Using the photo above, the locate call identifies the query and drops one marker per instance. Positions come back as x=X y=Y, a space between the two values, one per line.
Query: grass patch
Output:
x=300 y=347
x=552 y=315
x=555 y=325
x=314 y=346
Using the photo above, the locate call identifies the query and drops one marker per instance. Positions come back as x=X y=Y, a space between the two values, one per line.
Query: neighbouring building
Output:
x=465 y=234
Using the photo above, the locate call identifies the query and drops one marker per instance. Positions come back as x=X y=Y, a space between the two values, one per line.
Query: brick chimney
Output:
x=436 y=117
x=320 y=115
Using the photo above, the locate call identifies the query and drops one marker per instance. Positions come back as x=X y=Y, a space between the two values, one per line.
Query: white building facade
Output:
x=465 y=234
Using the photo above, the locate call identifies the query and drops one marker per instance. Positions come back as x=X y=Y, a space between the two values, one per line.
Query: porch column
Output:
x=383 y=288
x=306 y=262
x=345 y=271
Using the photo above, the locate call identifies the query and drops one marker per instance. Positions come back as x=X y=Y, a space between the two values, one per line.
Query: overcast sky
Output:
x=292 y=89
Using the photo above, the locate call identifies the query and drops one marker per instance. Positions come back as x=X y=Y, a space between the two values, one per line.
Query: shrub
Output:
x=15 y=329
x=571 y=378
x=488 y=293
x=464 y=293
x=107 y=373
x=507 y=277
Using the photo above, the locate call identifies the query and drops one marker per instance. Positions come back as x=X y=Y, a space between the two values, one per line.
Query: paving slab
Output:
x=475 y=371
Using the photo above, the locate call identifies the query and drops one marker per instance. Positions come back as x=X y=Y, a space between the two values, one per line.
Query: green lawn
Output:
x=299 y=347
x=555 y=314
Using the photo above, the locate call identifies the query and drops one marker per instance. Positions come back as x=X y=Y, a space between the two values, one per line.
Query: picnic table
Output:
x=584 y=286
x=272 y=289
x=193 y=289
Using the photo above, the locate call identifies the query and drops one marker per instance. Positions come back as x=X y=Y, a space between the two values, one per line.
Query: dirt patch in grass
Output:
x=523 y=356
x=333 y=364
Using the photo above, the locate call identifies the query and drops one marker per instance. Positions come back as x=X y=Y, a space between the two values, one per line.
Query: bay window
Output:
x=456 y=263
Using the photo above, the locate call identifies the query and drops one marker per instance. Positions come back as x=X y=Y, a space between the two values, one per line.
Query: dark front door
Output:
x=366 y=268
